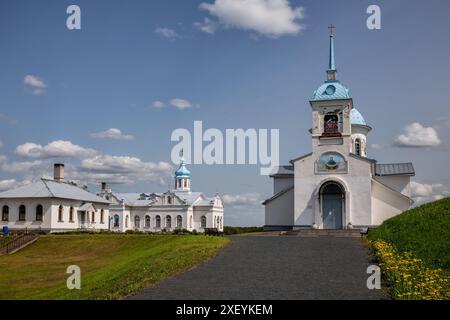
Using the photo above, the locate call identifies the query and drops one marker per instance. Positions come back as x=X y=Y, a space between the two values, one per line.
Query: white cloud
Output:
x=208 y=25
x=244 y=200
x=181 y=103
x=22 y=166
x=158 y=104
x=423 y=193
x=124 y=169
x=416 y=135
x=167 y=33
x=272 y=18
x=55 y=149
x=8 y=184
x=35 y=85
x=112 y=133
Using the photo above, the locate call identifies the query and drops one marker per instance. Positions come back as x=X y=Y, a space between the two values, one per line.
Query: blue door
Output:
x=332 y=199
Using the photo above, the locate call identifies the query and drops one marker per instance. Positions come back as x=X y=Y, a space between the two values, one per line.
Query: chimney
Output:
x=58 y=172
x=104 y=185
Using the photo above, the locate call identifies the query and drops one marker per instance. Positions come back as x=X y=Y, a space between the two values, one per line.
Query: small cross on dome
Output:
x=331 y=27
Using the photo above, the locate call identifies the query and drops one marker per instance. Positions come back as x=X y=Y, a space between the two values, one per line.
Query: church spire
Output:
x=331 y=72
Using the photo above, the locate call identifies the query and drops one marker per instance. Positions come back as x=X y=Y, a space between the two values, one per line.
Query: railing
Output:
x=17 y=243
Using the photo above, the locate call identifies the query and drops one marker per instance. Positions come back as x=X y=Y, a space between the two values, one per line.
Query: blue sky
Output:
x=130 y=54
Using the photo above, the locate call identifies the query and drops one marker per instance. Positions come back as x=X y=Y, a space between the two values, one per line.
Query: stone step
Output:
x=347 y=233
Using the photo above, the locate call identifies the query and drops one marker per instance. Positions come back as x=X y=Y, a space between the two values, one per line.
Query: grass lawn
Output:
x=112 y=266
x=423 y=231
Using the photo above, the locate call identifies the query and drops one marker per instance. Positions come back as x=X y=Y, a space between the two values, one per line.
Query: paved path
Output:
x=261 y=267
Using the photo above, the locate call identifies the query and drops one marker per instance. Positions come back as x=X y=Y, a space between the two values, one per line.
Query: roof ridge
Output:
x=44 y=181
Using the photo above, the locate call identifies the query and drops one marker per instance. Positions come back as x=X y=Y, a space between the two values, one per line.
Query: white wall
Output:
x=280 y=211
x=50 y=215
x=386 y=203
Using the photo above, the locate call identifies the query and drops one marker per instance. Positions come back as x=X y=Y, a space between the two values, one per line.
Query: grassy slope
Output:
x=424 y=231
x=112 y=266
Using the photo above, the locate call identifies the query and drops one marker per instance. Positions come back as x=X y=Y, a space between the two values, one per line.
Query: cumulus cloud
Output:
x=8 y=184
x=34 y=85
x=207 y=25
x=423 y=192
x=244 y=200
x=416 y=135
x=124 y=169
x=112 y=133
x=181 y=104
x=167 y=33
x=272 y=18
x=55 y=149
x=158 y=104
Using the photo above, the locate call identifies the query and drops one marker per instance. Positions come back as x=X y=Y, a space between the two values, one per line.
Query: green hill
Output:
x=424 y=231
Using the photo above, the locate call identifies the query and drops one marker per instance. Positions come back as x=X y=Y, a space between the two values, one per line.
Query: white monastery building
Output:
x=53 y=206
x=337 y=186
x=174 y=209
x=57 y=205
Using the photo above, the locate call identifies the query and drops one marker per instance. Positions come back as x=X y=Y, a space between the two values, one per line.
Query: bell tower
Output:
x=331 y=108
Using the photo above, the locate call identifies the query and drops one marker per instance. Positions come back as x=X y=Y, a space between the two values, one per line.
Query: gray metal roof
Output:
x=46 y=188
x=282 y=170
x=133 y=199
x=190 y=197
x=395 y=169
x=279 y=194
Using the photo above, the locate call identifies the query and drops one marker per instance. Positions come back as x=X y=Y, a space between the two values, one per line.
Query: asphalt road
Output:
x=261 y=267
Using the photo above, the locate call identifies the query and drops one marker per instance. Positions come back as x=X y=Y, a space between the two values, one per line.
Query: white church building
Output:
x=179 y=208
x=337 y=186
x=58 y=205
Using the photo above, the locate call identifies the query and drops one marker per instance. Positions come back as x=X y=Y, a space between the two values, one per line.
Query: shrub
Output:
x=239 y=230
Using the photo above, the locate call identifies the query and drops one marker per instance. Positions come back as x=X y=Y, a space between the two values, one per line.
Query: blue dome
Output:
x=182 y=171
x=357 y=118
x=331 y=90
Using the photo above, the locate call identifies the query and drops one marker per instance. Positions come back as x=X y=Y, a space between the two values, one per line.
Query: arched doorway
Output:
x=332 y=195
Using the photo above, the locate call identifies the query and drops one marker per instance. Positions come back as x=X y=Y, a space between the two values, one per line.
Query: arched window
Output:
x=169 y=200
x=158 y=222
x=358 y=147
x=116 y=220
x=60 y=213
x=22 y=213
x=179 y=183
x=102 y=216
x=203 y=222
x=71 y=214
x=168 y=222
x=179 y=222
x=190 y=221
x=126 y=221
x=185 y=183
x=5 y=213
x=221 y=222
x=147 y=222
x=39 y=212
x=137 y=222
x=93 y=217
x=217 y=222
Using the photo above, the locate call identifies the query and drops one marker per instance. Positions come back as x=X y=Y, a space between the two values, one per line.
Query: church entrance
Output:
x=332 y=195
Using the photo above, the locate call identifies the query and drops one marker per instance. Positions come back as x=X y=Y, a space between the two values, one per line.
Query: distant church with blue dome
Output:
x=176 y=209
x=337 y=186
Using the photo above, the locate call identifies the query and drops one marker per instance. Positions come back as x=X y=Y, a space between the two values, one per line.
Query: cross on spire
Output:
x=331 y=27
